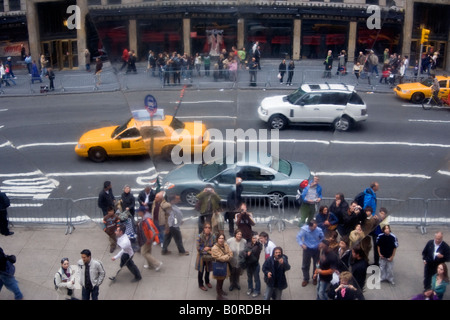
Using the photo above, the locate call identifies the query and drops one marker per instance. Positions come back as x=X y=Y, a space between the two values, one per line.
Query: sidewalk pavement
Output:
x=112 y=79
x=40 y=248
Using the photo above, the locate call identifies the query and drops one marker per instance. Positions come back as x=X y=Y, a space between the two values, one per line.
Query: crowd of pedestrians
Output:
x=336 y=242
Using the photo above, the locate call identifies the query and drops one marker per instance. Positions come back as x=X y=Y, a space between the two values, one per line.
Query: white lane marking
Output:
x=2 y=110
x=445 y=173
x=397 y=143
x=412 y=105
x=205 y=101
x=428 y=121
x=374 y=174
x=47 y=144
x=6 y=144
x=93 y=173
x=206 y=117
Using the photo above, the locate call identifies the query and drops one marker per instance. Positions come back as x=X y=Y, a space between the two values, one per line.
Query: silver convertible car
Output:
x=275 y=177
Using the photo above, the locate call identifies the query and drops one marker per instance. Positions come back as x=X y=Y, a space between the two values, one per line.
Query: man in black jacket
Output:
x=435 y=252
x=274 y=270
x=106 y=198
x=7 y=275
x=4 y=203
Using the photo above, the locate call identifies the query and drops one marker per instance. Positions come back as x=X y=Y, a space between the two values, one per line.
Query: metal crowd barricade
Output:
x=55 y=211
x=86 y=209
x=433 y=213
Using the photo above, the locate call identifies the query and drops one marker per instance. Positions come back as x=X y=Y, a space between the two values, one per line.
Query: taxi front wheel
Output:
x=97 y=154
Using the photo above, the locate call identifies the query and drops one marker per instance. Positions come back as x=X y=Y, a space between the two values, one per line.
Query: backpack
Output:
x=360 y=199
x=54 y=281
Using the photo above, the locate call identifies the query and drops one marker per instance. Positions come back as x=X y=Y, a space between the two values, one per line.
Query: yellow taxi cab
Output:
x=416 y=92
x=142 y=136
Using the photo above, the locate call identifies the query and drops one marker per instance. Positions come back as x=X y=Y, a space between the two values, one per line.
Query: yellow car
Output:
x=416 y=92
x=138 y=136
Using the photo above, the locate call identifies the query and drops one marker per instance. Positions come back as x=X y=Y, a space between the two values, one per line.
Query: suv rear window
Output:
x=335 y=98
x=355 y=99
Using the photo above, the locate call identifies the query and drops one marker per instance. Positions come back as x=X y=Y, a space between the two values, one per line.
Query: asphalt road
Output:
x=402 y=146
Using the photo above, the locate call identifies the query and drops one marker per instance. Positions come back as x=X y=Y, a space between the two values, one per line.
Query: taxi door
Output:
x=128 y=142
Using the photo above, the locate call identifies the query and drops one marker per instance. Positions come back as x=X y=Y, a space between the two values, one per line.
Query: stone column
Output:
x=34 y=39
x=187 y=36
x=447 y=49
x=352 y=34
x=132 y=36
x=240 y=33
x=407 y=30
x=297 y=40
x=81 y=33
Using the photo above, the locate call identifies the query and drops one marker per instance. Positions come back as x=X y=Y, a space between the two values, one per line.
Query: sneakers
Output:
x=159 y=266
x=249 y=292
x=255 y=294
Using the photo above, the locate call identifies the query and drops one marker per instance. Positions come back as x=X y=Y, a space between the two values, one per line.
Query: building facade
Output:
x=293 y=29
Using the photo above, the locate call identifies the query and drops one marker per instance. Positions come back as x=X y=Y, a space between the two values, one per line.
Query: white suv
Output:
x=333 y=104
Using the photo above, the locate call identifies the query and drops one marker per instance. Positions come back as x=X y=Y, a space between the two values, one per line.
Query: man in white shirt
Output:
x=126 y=253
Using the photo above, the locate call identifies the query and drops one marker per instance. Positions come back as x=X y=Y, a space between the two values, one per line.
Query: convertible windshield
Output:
x=297 y=94
x=208 y=171
x=119 y=129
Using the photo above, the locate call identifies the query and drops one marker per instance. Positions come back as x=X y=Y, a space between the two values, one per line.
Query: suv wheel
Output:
x=342 y=124
x=278 y=121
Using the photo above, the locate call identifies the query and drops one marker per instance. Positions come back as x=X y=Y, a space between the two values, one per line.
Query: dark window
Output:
x=335 y=98
x=443 y=84
x=227 y=177
x=14 y=5
x=254 y=174
x=130 y=133
x=311 y=99
x=94 y=2
x=148 y=132
x=355 y=99
x=373 y=2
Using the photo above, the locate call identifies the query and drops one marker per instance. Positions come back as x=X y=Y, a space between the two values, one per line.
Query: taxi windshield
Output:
x=427 y=82
x=119 y=129
x=176 y=124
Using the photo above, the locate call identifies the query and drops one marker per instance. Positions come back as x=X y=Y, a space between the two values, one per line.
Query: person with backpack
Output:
x=147 y=234
x=64 y=280
x=7 y=271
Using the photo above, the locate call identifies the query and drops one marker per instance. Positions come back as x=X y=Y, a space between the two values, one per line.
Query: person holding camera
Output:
x=208 y=201
x=244 y=222
x=274 y=270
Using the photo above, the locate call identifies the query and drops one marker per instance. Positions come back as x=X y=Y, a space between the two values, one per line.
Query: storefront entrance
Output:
x=61 y=54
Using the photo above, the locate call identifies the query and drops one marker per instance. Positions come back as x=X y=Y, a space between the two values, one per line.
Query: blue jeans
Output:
x=253 y=273
x=322 y=289
x=87 y=293
x=11 y=284
x=161 y=233
x=273 y=293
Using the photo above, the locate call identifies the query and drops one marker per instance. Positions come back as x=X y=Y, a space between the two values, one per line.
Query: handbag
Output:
x=207 y=257
x=279 y=76
x=220 y=268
